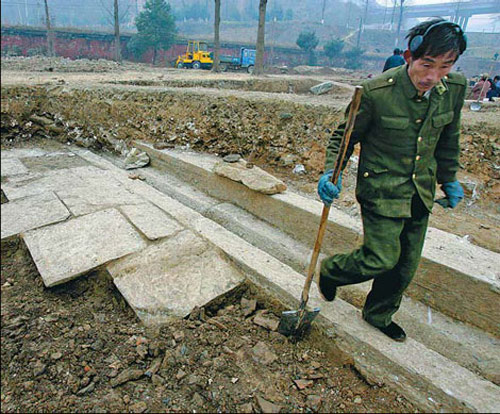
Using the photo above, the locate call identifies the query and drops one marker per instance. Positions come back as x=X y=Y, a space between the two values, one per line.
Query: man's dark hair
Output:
x=397 y=51
x=440 y=40
x=497 y=77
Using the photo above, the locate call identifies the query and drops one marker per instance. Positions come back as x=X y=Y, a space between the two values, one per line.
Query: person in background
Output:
x=481 y=88
x=394 y=61
x=494 y=91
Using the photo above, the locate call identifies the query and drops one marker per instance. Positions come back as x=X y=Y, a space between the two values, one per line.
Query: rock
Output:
x=266 y=406
x=232 y=158
x=139 y=407
x=39 y=368
x=88 y=389
x=180 y=375
x=126 y=399
x=286 y=115
x=193 y=379
x=157 y=380
x=125 y=376
x=178 y=336
x=142 y=350
x=198 y=400
x=136 y=159
x=268 y=322
x=322 y=88
x=255 y=178
x=313 y=402
x=154 y=367
x=248 y=306
x=289 y=159
x=245 y=408
x=299 y=169
x=358 y=400
x=261 y=353
x=303 y=384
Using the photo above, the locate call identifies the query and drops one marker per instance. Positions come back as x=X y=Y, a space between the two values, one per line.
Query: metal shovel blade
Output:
x=292 y=323
x=475 y=106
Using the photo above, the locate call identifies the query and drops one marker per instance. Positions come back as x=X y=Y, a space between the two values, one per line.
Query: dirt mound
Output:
x=60 y=64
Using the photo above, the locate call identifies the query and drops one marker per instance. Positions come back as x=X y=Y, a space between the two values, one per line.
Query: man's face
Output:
x=426 y=71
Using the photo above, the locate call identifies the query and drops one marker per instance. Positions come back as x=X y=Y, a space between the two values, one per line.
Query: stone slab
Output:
x=151 y=221
x=12 y=166
x=322 y=88
x=445 y=275
x=254 y=178
x=57 y=180
x=172 y=277
x=427 y=378
x=30 y=213
x=67 y=250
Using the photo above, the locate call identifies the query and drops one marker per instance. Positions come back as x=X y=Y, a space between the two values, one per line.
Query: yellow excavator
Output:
x=197 y=56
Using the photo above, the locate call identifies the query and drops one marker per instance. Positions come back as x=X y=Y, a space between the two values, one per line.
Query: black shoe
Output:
x=326 y=288
x=393 y=331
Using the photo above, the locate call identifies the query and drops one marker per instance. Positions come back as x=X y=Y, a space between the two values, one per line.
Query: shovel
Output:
x=296 y=322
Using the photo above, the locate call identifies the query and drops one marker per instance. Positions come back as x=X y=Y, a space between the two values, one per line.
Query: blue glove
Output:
x=454 y=194
x=327 y=191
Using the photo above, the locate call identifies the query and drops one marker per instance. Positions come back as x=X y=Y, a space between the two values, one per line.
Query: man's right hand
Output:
x=327 y=191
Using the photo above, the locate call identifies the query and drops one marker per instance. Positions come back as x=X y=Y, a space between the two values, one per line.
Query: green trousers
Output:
x=390 y=254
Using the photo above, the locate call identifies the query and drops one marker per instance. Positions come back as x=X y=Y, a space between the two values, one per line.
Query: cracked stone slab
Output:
x=67 y=250
x=12 y=166
x=30 y=213
x=151 y=221
x=172 y=277
x=57 y=180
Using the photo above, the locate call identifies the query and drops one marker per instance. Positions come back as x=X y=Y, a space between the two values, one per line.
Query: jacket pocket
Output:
x=392 y=122
x=441 y=120
x=374 y=168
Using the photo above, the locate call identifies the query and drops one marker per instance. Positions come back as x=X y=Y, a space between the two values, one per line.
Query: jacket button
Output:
x=418 y=121
x=419 y=139
x=390 y=80
x=417 y=157
x=366 y=174
x=414 y=176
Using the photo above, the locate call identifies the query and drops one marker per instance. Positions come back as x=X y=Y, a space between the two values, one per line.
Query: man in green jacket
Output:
x=408 y=127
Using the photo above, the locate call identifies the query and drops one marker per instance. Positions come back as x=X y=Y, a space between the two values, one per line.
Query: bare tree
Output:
x=400 y=22
x=50 y=35
x=114 y=18
x=216 y=36
x=118 y=48
x=259 y=56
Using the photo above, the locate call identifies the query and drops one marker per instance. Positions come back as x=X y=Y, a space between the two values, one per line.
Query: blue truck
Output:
x=245 y=61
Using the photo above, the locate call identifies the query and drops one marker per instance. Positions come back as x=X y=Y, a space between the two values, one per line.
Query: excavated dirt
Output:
x=234 y=113
x=80 y=348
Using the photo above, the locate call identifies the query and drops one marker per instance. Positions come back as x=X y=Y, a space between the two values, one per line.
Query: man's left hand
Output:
x=454 y=194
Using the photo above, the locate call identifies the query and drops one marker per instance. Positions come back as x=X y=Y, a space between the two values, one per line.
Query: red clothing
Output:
x=480 y=88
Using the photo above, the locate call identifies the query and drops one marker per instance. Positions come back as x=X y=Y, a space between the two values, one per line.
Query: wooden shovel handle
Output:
x=353 y=110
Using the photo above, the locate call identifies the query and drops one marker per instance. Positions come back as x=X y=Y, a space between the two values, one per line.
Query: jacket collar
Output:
x=409 y=89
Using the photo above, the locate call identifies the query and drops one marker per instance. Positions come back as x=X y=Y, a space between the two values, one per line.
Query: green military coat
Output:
x=406 y=141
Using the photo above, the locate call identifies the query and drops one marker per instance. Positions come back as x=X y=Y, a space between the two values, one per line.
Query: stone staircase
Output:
x=186 y=230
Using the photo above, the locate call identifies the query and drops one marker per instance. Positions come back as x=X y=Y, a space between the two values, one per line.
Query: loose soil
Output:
x=67 y=348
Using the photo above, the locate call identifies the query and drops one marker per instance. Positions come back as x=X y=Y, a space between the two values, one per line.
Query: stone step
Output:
x=462 y=343
x=430 y=380
x=455 y=277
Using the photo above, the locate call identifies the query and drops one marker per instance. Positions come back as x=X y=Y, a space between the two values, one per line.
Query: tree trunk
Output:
x=154 y=56
x=216 y=36
x=118 y=50
x=259 y=57
x=399 y=23
x=50 y=38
